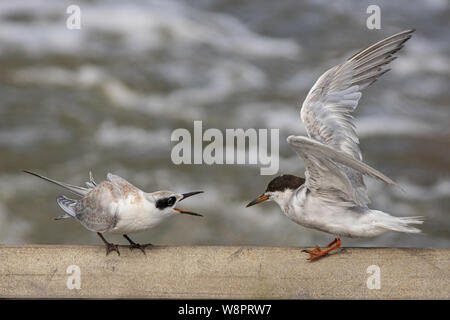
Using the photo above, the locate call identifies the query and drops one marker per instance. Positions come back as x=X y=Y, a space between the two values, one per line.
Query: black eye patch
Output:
x=165 y=202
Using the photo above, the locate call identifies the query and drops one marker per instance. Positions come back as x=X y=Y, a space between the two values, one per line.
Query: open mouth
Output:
x=187 y=195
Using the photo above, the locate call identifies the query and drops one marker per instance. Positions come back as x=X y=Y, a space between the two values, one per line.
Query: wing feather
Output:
x=323 y=169
x=123 y=185
x=328 y=107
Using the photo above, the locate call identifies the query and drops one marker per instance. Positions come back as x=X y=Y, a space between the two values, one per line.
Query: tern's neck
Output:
x=282 y=197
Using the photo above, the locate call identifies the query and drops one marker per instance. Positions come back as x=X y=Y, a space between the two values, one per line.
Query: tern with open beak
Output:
x=333 y=197
x=116 y=206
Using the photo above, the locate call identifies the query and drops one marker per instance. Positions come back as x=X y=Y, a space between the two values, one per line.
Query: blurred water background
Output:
x=107 y=97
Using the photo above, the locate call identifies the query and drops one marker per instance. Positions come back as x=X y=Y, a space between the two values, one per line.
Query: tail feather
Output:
x=399 y=224
x=68 y=205
x=64 y=216
x=91 y=183
x=79 y=191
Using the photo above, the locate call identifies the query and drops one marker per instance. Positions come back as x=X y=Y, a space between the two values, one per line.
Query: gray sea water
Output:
x=106 y=98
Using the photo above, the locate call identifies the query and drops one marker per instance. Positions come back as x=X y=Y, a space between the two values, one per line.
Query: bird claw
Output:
x=315 y=253
x=112 y=247
x=139 y=246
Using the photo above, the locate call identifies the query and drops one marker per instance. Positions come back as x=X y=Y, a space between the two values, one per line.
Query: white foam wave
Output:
x=29 y=136
x=222 y=81
x=139 y=27
x=110 y=135
x=438 y=190
x=423 y=56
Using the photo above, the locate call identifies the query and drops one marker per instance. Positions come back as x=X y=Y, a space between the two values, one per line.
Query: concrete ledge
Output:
x=223 y=272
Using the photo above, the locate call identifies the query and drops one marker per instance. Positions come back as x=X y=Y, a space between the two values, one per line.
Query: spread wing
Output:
x=327 y=109
x=323 y=173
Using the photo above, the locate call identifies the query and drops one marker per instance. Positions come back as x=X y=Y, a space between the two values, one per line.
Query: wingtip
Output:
x=402 y=189
x=407 y=31
x=292 y=139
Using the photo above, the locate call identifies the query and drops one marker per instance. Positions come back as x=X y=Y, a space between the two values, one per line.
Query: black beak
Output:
x=189 y=194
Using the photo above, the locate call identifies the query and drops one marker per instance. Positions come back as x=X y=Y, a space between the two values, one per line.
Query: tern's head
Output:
x=166 y=202
x=279 y=189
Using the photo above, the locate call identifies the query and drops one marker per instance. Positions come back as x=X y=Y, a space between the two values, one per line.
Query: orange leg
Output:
x=332 y=242
x=317 y=253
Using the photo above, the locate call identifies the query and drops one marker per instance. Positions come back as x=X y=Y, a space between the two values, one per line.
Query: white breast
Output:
x=135 y=216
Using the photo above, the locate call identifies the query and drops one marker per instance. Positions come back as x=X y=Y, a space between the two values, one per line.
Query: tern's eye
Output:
x=171 y=201
x=165 y=202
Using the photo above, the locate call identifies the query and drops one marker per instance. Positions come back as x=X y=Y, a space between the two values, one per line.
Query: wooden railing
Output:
x=223 y=272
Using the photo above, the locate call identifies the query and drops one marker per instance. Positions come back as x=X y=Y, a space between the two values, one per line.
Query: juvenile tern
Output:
x=333 y=197
x=116 y=206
